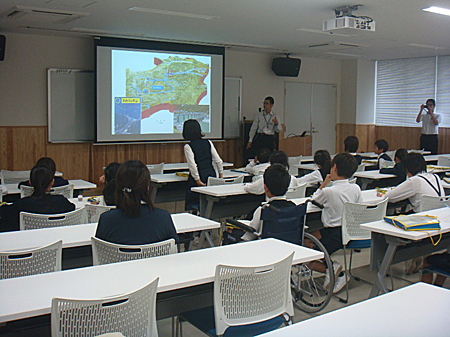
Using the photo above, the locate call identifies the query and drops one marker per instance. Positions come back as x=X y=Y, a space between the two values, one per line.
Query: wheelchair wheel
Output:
x=308 y=291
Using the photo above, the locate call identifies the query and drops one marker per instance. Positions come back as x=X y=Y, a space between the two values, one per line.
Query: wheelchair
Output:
x=288 y=224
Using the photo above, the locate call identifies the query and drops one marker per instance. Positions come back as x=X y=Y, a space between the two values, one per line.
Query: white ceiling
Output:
x=269 y=26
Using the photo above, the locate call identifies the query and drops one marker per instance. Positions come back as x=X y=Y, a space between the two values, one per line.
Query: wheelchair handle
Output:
x=273 y=208
x=315 y=203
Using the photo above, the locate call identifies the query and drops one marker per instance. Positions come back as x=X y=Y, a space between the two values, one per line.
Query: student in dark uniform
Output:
x=381 y=147
x=110 y=188
x=40 y=202
x=398 y=169
x=200 y=155
x=50 y=163
x=351 y=144
x=135 y=221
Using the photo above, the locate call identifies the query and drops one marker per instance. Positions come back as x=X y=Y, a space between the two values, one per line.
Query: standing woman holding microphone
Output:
x=430 y=124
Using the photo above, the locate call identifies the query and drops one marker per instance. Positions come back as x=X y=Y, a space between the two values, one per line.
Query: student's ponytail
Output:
x=40 y=177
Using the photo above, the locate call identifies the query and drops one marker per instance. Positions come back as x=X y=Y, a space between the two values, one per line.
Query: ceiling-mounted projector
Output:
x=345 y=19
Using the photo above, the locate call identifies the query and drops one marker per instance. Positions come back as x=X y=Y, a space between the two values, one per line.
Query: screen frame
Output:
x=162 y=46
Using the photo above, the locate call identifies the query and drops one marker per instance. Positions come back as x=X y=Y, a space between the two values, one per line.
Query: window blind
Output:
x=402 y=86
x=443 y=90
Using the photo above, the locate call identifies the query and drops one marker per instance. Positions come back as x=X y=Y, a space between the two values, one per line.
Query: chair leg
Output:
x=346 y=274
x=357 y=278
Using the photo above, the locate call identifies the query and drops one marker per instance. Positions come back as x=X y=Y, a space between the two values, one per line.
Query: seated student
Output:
x=322 y=159
x=278 y=157
x=40 y=202
x=332 y=198
x=439 y=261
x=260 y=163
x=110 y=179
x=419 y=183
x=50 y=163
x=398 y=169
x=381 y=146
x=200 y=155
x=135 y=221
x=351 y=144
x=276 y=183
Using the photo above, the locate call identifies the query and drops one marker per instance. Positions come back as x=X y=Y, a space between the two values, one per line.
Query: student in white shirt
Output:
x=322 y=159
x=278 y=157
x=332 y=198
x=418 y=183
x=430 y=124
x=276 y=183
x=258 y=165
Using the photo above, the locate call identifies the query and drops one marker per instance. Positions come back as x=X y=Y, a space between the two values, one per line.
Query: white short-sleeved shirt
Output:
x=257 y=187
x=428 y=126
x=311 y=178
x=333 y=198
x=414 y=188
x=255 y=168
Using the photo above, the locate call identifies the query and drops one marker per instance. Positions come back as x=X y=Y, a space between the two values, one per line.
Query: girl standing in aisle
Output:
x=200 y=155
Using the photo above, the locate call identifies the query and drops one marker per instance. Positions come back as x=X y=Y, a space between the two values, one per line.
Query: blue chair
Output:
x=248 y=301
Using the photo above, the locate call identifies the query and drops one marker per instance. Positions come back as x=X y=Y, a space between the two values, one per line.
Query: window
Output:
x=403 y=85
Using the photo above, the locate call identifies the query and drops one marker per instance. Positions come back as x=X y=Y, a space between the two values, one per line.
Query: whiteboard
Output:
x=71 y=105
x=232 y=107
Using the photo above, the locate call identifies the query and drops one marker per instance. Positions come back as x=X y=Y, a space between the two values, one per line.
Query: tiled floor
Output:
x=359 y=291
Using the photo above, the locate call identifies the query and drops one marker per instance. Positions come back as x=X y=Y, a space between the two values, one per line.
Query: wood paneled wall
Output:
x=23 y=146
x=397 y=137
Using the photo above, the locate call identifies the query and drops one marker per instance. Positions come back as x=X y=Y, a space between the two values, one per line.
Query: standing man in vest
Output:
x=430 y=124
x=264 y=127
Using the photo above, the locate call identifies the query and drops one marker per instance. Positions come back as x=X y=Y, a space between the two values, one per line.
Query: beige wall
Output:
x=23 y=77
x=23 y=73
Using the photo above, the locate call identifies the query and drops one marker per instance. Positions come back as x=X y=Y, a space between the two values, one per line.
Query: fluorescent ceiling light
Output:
x=437 y=10
x=163 y=12
x=425 y=46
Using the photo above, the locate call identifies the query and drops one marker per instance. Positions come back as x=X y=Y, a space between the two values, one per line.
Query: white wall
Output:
x=365 y=94
x=23 y=77
x=348 y=91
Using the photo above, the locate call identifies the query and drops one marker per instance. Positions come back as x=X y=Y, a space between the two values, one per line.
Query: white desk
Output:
x=435 y=157
x=31 y=296
x=369 y=176
x=417 y=310
x=176 y=185
x=374 y=155
x=392 y=245
x=174 y=167
x=80 y=235
x=78 y=184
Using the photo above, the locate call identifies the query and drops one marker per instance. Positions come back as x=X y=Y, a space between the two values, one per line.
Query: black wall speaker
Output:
x=2 y=47
x=286 y=66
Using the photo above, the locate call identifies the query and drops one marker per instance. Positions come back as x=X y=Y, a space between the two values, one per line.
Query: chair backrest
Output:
x=356 y=214
x=104 y=252
x=293 y=165
x=361 y=168
x=93 y=212
x=36 y=221
x=428 y=202
x=443 y=161
x=286 y=224
x=14 y=177
x=386 y=163
x=66 y=191
x=244 y=295
x=222 y=181
x=132 y=314
x=156 y=168
x=296 y=192
x=31 y=262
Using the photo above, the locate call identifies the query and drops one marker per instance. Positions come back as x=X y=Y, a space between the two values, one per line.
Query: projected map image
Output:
x=170 y=90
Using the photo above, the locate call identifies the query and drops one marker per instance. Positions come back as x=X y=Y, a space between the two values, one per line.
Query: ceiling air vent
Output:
x=26 y=15
x=335 y=45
